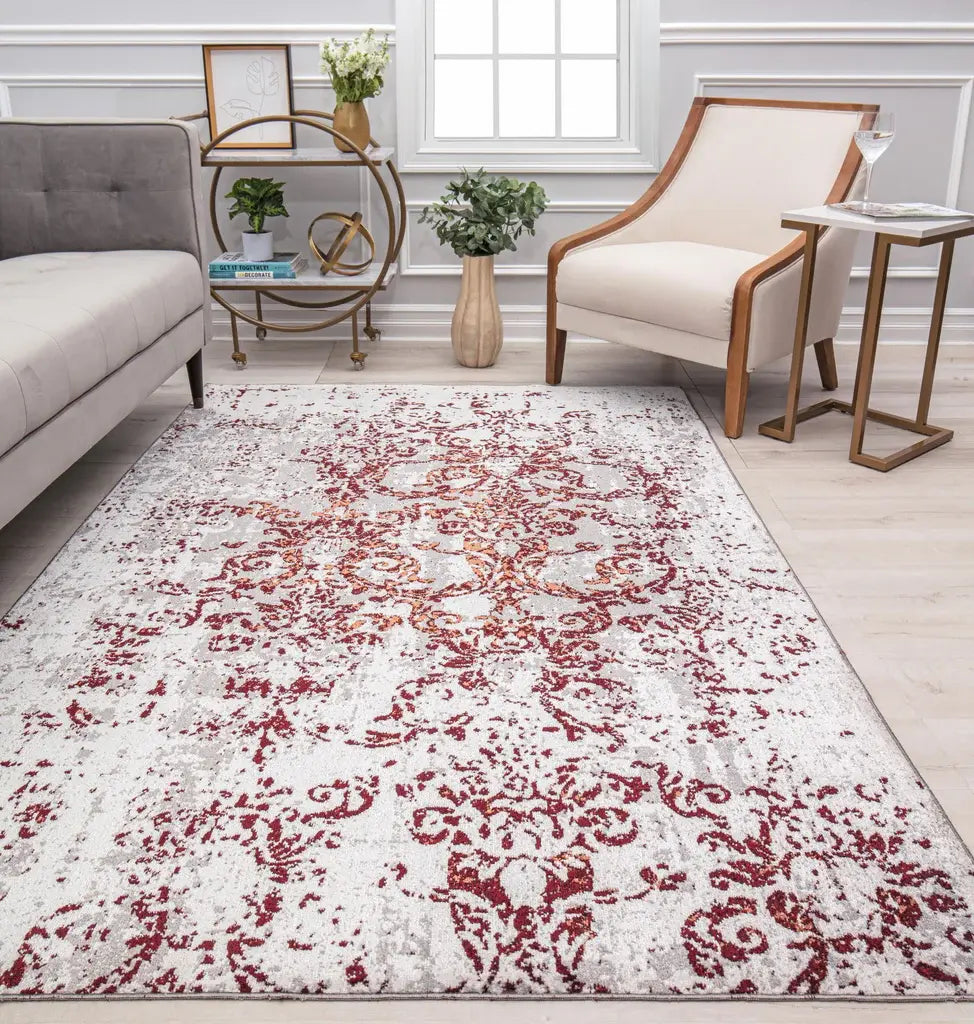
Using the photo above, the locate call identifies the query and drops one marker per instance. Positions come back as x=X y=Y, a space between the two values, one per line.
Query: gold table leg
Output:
x=783 y=428
x=934 y=437
x=261 y=331
x=936 y=326
x=357 y=356
x=371 y=332
x=240 y=358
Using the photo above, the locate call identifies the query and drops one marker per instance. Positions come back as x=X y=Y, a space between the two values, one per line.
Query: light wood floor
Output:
x=888 y=560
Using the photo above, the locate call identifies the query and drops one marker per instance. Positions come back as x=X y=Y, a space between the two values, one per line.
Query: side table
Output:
x=886 y=234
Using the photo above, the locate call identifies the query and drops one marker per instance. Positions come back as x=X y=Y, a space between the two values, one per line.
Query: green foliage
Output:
x=482 y=215
x=257 y=198
x=355 y=66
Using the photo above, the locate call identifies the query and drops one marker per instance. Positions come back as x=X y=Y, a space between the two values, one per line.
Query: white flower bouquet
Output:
x=356 y=66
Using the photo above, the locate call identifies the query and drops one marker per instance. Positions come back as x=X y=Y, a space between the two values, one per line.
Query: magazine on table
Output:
x=903 y=211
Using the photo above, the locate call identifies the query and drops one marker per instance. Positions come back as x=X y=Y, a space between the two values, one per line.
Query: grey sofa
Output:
x=102 y=289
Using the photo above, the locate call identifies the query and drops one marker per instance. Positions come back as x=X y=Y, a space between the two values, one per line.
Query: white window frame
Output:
x=634 y=150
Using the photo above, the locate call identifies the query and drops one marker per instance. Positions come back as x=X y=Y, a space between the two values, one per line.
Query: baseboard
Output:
x=397 y=322
x=908 y=326
x=527 y=323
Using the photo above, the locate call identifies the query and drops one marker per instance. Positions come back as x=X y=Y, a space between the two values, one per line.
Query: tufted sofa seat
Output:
x=53 y=352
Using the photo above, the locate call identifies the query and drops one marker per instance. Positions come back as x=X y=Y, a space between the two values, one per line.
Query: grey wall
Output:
x=134 y=60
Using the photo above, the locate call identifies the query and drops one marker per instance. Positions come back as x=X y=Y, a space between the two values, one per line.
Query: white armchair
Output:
x=700 y=268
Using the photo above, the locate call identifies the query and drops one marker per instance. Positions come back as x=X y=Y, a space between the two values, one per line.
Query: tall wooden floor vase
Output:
x=478 y=331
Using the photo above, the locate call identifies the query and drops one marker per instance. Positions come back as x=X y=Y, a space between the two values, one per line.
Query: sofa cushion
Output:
x=686 y=286
x=69 y=319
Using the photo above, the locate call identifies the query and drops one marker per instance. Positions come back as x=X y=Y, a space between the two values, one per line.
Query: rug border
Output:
x=470 y=997
x=879 y=1000
x=845 y=658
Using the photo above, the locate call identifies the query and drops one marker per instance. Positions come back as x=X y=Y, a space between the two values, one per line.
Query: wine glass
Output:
x=872 y=143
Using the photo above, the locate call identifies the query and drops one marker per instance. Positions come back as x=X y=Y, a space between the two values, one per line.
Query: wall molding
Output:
x=671 y=33
x=431 y=323
x=908 y=325
x=181 y=34
x=596 y=208
x=398 y=322
x=817 y=32
x=135 y=81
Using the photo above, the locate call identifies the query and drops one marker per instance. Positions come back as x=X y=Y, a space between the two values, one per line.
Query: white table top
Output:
x=323 y=156
x=906 y=227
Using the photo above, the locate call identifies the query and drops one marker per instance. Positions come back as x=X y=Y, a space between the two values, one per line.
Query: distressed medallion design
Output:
x=387 y=690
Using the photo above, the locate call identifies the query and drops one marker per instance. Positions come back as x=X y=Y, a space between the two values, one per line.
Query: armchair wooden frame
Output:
x=737 y=352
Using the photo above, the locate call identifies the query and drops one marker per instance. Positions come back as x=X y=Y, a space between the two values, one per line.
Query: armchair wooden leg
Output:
x=735 y=401
x=825 y=354
x=556 y=353
x=194 y=369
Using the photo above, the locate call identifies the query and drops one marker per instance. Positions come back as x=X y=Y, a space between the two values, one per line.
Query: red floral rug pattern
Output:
x=425 y=691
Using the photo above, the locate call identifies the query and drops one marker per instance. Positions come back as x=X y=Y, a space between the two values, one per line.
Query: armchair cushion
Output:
x=70 y=319
x=685 y=286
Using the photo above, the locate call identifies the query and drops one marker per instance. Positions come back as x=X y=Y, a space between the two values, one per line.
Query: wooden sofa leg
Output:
x=556 y=354
x=735 y=402
x=194 y=368
x=825 y=354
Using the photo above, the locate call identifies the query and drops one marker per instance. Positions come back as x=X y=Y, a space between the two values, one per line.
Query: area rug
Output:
x=445 y=691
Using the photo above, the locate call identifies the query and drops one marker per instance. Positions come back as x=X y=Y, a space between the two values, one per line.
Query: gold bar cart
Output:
x=346 y=295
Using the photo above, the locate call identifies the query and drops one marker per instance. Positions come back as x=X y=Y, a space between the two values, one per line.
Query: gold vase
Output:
x=352 y=120
x=477 y=331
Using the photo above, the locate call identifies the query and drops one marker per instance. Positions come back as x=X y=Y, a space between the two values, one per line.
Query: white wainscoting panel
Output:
x=422 y=255
x=924 y=70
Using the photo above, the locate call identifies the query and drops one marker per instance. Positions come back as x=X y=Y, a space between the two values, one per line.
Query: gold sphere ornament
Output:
x=350 y=228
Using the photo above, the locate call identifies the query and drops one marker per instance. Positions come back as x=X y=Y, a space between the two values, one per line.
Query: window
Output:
x=555 y=84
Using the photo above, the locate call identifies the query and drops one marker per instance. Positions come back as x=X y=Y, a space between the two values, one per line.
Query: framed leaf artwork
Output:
x=245 y=82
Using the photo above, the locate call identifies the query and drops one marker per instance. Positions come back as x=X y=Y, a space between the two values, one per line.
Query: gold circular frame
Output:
x=351 y=228
x=357 y=297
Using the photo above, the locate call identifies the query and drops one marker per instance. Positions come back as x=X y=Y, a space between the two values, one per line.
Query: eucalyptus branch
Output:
x=483 y=215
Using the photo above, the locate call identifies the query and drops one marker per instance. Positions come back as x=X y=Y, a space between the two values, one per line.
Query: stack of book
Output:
x=230 y=266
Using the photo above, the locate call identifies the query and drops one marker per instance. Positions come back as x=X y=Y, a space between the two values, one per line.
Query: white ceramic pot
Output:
x=258 y=246
x=478 y=331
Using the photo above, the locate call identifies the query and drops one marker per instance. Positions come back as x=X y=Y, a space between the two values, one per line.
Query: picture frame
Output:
x=245 y=81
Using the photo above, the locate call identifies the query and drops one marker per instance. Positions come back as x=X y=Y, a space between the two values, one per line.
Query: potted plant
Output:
x=480 y=216
x=355 y=67
x=257 y=199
